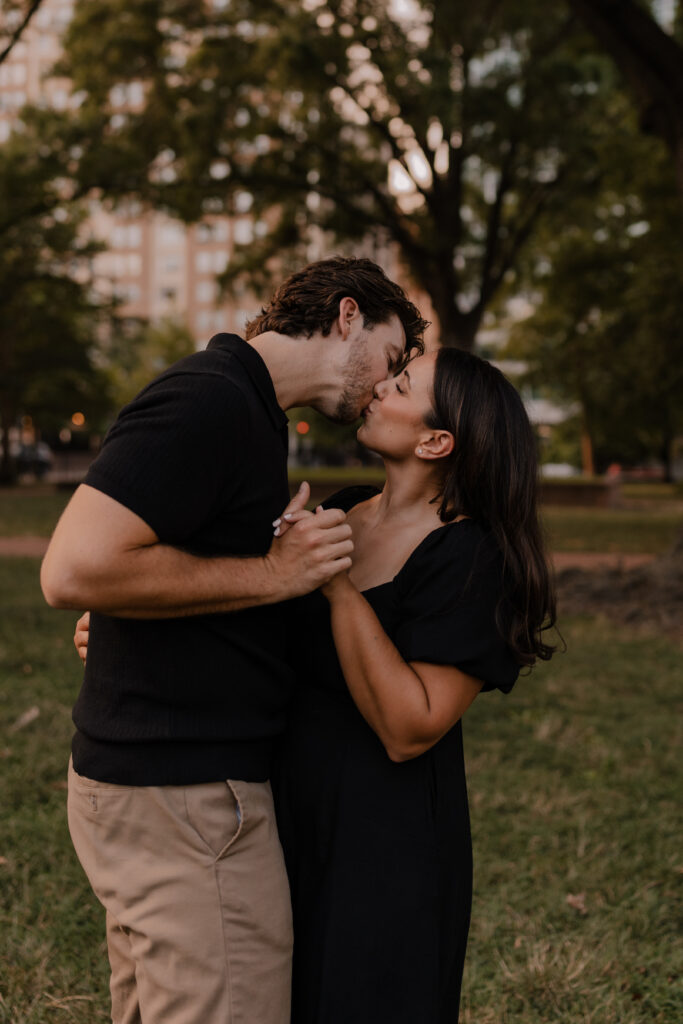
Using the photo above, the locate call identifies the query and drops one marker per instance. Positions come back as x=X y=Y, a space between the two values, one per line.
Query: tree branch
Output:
x=19 y=31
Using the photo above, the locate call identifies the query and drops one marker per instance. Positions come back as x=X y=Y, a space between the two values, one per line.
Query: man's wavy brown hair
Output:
x=308 y=301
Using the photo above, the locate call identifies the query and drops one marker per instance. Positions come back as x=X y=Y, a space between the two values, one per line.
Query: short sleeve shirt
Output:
x=201 y=456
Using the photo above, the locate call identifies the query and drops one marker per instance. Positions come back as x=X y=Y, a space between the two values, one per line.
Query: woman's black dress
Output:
x=379 y=853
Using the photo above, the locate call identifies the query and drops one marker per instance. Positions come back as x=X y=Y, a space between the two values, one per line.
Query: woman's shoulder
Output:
x=455 y=551
x=458 y=539
x=347 y=497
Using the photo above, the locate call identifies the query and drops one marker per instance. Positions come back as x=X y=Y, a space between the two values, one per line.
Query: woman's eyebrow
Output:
x=407 y=377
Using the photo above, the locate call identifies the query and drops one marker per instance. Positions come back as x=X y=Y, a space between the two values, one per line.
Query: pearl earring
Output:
x=419 y=451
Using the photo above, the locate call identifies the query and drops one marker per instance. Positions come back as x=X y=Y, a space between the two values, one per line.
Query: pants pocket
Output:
x=213 y=810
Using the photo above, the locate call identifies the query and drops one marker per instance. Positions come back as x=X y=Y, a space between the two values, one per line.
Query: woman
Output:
x=447 y=596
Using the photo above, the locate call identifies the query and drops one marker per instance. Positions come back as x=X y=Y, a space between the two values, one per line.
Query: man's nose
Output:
x=380 y=389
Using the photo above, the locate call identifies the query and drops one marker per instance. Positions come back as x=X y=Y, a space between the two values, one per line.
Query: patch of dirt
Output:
x=646 y=593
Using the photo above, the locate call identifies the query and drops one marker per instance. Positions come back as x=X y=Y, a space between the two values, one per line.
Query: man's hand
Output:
x=104 y=557
x=316 y=547
x=81 y=636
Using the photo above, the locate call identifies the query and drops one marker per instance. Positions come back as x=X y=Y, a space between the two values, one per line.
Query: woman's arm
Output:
x=409 y=705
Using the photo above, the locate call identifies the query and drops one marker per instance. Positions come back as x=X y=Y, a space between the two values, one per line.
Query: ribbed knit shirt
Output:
x=201 y=456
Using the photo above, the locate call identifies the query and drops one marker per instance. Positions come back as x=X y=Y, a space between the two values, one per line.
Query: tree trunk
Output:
x=456 y=329
x=666 y=455
x=7 y=468
x=587 y=457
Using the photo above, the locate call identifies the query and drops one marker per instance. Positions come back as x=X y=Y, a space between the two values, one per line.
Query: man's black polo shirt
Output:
x=201 y=456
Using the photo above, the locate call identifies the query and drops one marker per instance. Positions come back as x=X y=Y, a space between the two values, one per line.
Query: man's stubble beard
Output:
x=357 y=383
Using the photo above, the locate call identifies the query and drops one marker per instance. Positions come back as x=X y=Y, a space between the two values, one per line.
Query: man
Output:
x=169 y=804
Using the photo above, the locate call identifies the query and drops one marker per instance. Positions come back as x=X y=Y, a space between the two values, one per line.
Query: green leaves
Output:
x=447 y=129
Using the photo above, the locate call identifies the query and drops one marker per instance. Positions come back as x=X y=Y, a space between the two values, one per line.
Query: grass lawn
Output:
x=651 y=528
x=574 y=787
x=30 y=512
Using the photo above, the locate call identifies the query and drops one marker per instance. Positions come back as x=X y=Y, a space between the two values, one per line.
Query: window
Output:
x=211 y=262
x=126 y=236
x=205 y=291
x=172 y=233
x=243 y=232
x=203 y=262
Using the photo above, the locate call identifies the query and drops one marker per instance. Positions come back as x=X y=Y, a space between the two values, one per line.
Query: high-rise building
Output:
x=157 y=266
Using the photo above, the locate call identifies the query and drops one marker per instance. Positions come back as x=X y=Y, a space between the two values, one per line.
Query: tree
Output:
x=17 y=19
x=650 y=60
x=49 y=314
x=137 y=352
x=606 y=330
x=451 y=129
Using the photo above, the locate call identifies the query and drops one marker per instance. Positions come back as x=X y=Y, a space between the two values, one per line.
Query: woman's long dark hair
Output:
x=492 y=476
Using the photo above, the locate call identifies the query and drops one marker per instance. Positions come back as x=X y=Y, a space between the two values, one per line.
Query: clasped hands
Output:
x=310 y=550
x=317 y=546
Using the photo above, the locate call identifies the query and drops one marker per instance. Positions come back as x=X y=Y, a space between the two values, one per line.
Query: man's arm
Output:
x=104 y=557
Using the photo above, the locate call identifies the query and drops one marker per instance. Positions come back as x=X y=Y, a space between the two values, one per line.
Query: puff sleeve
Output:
x=447 y=594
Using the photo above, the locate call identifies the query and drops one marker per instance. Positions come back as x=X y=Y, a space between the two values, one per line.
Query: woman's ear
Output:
x=437 y=445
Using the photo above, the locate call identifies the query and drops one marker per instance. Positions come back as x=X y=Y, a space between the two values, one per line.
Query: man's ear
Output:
x=350 y=316
x=436 y=445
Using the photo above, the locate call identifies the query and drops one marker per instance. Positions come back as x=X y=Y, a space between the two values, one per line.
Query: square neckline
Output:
x=365 y=496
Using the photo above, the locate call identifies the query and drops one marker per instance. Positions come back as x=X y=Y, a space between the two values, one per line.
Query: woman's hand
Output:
x=81 y=636
x=297 y=504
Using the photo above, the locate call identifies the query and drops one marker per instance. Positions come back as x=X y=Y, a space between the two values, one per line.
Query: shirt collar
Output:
x=257 y=370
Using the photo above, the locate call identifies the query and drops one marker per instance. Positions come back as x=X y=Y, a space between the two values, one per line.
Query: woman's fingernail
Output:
x=277 y=522
x=287 y=515
x=277 y=532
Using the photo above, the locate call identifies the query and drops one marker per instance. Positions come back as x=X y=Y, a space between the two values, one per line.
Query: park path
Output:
x=35 y=547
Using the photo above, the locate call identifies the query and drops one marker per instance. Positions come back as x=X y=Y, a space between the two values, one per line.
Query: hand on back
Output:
x=81 y=636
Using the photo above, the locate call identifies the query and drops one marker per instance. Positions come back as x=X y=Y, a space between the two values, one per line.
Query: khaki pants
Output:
x=192 y=878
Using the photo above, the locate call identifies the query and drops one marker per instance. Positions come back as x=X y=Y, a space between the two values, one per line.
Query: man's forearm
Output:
x=158 y=581
x=105 y=558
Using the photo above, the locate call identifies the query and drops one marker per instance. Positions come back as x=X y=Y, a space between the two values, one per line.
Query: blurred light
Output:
x=65 y=435
x=302 y=427
x=78 y=419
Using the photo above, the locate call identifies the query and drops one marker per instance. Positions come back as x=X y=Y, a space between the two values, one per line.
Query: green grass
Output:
x=30 y=512
x=604 y=529
x=574 y=787
x=575 y=793
x=652 y=492
x=652 y=528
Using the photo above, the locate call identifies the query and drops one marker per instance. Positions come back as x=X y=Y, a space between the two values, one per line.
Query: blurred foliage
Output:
x=136 y=352
x=49 y=313
x=606 y=331
x=485 y=120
